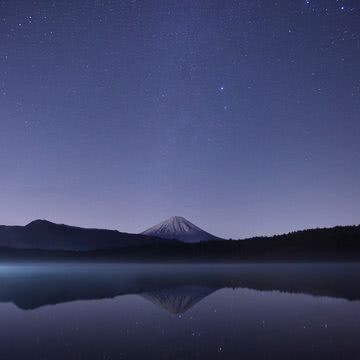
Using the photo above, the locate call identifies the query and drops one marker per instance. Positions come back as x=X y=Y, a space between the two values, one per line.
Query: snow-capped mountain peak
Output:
x=177 y=227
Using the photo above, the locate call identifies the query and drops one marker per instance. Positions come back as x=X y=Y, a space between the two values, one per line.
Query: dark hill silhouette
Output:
x=45 y=235
x=45 y=240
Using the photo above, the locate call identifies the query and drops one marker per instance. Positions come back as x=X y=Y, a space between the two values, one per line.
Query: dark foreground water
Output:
x=137 y=311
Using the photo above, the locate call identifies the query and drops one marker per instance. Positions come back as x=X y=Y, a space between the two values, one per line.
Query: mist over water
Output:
x=179 y=311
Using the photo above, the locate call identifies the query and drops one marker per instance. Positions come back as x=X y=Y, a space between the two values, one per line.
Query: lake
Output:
x=179 y=311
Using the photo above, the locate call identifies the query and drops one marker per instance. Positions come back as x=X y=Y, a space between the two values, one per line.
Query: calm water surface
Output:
x=139 y=311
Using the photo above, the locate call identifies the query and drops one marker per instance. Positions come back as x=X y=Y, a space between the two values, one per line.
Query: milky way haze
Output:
x=242 y=116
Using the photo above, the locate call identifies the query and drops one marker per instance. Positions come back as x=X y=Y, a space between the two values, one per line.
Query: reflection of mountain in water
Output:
x=175 y=288
x=178 y=300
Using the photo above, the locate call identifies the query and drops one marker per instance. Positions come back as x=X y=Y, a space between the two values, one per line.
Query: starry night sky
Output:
x=242 y=116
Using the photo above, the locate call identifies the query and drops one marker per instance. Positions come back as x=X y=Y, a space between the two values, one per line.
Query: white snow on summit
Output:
x=179 y=228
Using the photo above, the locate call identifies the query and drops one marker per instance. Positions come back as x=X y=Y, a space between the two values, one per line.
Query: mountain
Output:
x=40 y=238
x=45 y=235
x=179 y=228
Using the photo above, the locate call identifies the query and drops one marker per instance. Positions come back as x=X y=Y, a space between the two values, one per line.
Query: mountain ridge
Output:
x=46 y=235
x=42 y=239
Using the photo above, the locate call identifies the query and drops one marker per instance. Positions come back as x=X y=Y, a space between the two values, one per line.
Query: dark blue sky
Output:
x=242 y=116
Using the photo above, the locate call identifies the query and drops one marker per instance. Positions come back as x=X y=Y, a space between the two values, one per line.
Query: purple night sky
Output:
x=242 y=116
